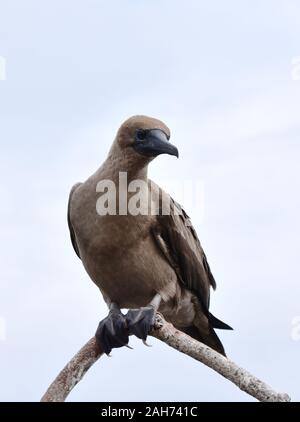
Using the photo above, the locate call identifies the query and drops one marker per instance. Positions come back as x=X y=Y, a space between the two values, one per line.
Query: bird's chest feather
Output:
x=115 y=236
x=119 y=252
x=118 y=257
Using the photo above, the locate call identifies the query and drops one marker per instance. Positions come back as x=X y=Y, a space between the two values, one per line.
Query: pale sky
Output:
x=220 y=75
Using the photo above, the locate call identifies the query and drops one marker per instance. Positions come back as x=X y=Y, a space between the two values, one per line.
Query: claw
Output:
x=129 y=347
x=146 y=344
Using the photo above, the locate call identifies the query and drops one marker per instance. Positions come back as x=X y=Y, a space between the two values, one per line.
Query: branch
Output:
x=74 y=371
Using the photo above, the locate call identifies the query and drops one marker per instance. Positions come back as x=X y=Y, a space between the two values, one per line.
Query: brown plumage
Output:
x=131 y=258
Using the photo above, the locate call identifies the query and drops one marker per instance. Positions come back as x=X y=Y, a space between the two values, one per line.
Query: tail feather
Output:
x=217 y=323
x=211 y=340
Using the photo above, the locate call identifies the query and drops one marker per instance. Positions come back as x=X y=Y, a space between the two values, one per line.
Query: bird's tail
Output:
x=211 y=339
x=217 y=323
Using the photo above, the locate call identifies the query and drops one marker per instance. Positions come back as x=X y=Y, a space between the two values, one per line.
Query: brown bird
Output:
x=141 y=260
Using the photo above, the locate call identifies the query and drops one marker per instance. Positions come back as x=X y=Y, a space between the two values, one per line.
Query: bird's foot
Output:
x=112 y=331
x=140 y=322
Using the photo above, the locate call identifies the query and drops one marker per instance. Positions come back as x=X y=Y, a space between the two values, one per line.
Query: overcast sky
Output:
x=220 y=75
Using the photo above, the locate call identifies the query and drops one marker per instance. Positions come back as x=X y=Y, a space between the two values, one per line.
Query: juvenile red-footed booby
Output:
x=142 y=261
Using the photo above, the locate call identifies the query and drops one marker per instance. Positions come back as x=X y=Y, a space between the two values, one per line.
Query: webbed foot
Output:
x=140 y=321
x=112 y=331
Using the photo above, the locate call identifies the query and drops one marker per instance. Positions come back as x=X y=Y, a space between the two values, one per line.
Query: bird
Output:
x=142 y=257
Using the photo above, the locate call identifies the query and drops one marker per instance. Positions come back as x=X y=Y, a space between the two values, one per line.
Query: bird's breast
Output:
x=119 y=257
x=119 y=252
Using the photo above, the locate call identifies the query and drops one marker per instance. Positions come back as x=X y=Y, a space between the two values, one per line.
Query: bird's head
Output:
x=146 y=137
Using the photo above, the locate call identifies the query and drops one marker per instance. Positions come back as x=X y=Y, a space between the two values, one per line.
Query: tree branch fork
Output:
x=76 y=368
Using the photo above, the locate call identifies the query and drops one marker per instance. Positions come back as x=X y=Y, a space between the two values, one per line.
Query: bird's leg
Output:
x=112 y=331
x=141 y=321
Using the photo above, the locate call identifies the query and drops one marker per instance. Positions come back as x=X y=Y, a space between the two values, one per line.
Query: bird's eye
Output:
x=140 y=134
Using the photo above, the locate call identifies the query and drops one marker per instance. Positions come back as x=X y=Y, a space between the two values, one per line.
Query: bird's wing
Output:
x=72 y=233
x=179 y=242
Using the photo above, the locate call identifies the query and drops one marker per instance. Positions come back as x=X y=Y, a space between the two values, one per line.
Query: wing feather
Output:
x=180 y=244
x=72 y=232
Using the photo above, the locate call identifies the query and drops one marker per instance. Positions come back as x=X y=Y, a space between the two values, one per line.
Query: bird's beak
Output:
x=155 y=143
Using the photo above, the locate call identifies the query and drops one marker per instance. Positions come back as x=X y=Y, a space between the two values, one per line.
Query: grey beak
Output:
x=153 y=143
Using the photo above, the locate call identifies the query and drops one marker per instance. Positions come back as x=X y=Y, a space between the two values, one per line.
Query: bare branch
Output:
x=243 y=379
x=164 y=331
x=73 y=372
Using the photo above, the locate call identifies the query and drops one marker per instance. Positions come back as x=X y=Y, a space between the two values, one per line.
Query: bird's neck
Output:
x=136 y=169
